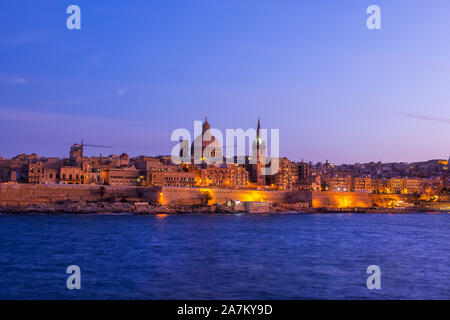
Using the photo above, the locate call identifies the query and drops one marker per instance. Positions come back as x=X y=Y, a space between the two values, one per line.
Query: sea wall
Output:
x=330 y=199
x=194 y=196
x=25 y=194
x=387 y=200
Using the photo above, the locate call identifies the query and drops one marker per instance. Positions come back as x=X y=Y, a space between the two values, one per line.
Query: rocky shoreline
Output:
x=83 y=207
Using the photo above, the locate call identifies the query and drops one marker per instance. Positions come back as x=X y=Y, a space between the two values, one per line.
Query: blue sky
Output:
x=137 y=70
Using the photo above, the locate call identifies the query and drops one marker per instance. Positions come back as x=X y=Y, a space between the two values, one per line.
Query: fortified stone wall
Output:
x=194 y=196
x=25 y=194
x=329 y=199
x=424 y=201
x=386 y=200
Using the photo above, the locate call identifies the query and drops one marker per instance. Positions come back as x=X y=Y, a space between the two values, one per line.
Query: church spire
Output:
x=259 y=176
x=258 y=129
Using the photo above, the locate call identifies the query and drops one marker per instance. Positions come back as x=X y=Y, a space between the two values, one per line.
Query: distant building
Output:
x=129 y=176
x=224 y=176
x=206 y=148
x=71 y=175
x=146 y=163
x=340 y=184
x=431 y=186
x=172 y=179
x=287 y=176
x=362 y=184
x=396 y=185
x=76 y=153
x=170 y=176
x=411 y=186
x=304 y=173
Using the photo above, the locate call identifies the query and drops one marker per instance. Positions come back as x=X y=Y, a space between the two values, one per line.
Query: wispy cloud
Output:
x=19 y=40
x=48 y=118
x=121 y=92
x=423 y=117
x=20 y=80
x=12 y=79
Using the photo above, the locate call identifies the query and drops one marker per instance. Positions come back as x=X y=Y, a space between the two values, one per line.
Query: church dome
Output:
x=211 y=150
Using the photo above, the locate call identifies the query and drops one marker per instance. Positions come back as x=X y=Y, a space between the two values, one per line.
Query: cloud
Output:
x=121 y=92
x=20 y=80
x=19 y=40
x=422 y=117
x=12 y=79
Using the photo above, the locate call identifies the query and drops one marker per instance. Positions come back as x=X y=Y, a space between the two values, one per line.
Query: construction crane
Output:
x=77 y=150
x=81 y=145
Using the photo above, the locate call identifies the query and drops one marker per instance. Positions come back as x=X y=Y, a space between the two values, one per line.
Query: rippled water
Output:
x=273 y=256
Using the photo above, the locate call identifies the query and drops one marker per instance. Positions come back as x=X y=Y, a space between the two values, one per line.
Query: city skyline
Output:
x=95 y=154
x=335 y=89
x=117 y=151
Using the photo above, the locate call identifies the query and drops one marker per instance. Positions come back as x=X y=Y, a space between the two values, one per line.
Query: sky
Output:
x=137 y=70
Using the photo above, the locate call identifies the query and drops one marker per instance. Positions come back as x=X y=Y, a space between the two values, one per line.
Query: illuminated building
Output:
x=396 y=185
x=287 y=176
x=170 y=176
x=71 y=175
x=255 y=168
x=123 y=176
x=205 y=148
x=340 y=184
x=224 y=176
x=362 y=184
x=260 y=154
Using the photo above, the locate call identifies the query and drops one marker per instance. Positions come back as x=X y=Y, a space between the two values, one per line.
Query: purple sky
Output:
x=135 y=72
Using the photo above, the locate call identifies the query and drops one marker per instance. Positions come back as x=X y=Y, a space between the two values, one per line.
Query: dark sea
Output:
x=211 y=256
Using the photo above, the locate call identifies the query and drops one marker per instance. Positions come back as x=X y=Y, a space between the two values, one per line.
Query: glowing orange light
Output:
x=161 y=199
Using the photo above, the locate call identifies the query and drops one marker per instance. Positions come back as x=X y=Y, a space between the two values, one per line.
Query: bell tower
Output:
x=260 y=179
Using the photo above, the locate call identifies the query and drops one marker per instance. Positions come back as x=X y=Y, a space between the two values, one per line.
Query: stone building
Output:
x=380 y=186
x=206 y=148
x=172 y=179
x=304 y=173
x=170 y=175
x=127 y=176
x=396 y=185
x=362 y=184
x=411 y=186
x=146 y=163
x=224 y=176
x=287 y=176
x=258 y=161
x=337 y=183
x=71 y=175
x=431 y=186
